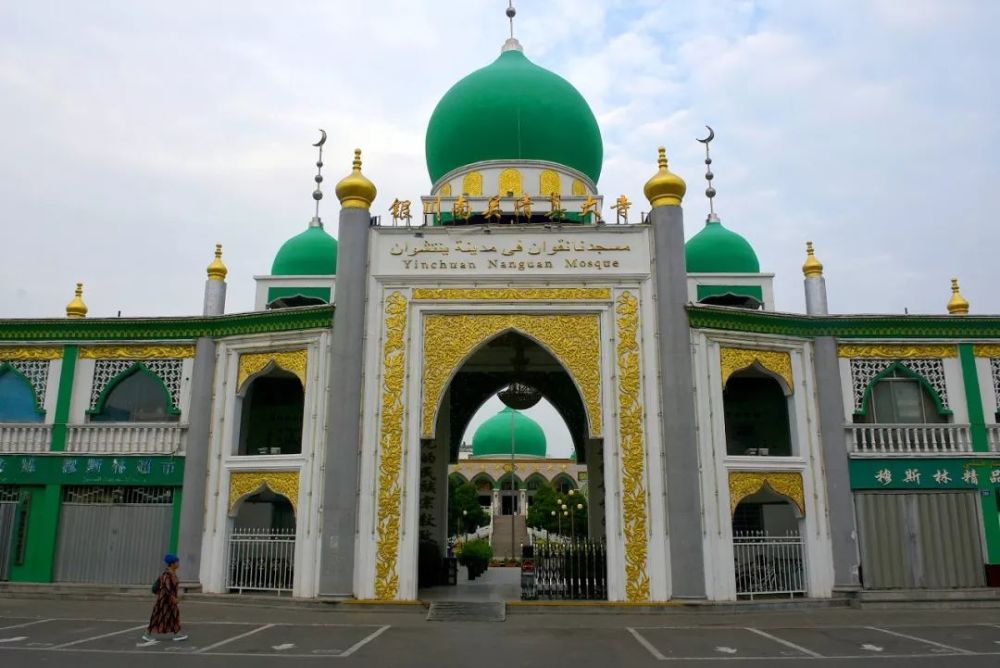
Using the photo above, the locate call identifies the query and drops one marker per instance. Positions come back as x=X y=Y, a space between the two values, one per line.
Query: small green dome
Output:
x=493 y=436
x=311 y=253
x=718 y=250
x=513 y=109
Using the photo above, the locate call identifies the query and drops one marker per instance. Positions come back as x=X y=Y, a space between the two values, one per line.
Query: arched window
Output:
x=139 y=396
x=273 y=408
x=901 y=398
x=17 y=398
x=756 y=414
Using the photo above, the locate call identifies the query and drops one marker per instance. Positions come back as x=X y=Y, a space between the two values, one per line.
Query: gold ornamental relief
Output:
x=244 y=483
x=511 y=294
x=31 y=353
x=390 y=448
x=136 y=352
x=633 y=450
x=472 y=184
x=980 y=350
x=510 y=182
x=736 y=359
x=746 y=483
x=897 y=351
x=293 y=361
x=445 y=190
x=573 y=339
x=549 y=182
x=579 y=188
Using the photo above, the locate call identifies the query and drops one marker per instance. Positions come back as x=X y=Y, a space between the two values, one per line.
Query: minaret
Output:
x=957 y=305
x=343 y=441
x=665 y=192
x=76 y=308
x=215 y=286
x=815 y=284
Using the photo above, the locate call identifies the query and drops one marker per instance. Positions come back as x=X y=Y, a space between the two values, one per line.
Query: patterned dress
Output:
x=166 y=617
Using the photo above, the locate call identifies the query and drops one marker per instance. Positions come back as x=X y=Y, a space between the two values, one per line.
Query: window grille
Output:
x=101 y=494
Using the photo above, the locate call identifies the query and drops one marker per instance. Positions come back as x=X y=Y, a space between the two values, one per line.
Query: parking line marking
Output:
x=233 y=639
x=645 y=643
x=786 y=643
x=21 y=626
x=106 y=635
x=364 y=641
x=950 y=648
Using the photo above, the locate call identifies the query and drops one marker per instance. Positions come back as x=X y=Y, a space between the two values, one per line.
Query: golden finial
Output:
x=812 y=268
x=217 y=270
x=957 y=305
x=665 y=188
x=76 y=308
x=355 y=191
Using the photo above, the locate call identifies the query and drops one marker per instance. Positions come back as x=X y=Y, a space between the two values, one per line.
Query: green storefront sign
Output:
x=63 y=469
x=925 y=474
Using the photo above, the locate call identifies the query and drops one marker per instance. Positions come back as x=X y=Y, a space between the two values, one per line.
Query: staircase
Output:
x=501 y=542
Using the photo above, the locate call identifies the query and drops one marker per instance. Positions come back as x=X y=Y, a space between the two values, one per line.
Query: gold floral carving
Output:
x=548 y=183
x=574 y=340
x=472 y=184
x=745 y=483
x=992 y=351
x=579 y=188
x=40 y=353
x=897 y=351
x=390 y=448
x=630 y=433
x=511 y=294
x=445 y=190
x=289 y=360
x=736 y=359
x=136 y=352
x=245 y=483
x=510 y=182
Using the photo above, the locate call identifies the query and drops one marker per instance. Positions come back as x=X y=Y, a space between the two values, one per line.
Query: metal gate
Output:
x=920 y=539
x=8 y=520
x=261 y=560
x=768 y=565
x=113 y=535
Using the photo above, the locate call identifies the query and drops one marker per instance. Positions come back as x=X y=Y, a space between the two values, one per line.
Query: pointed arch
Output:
x=483 y=476
x=19 y=402
x=776 y=363
x=139 y=386
x=783 y=483
x=243 y=484
x=573 y=340
x=255 y=364
x=900 y=367
x=533 y=480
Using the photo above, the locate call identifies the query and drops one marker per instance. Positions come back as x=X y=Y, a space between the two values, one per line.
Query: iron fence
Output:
x=261 y=560
x=572 y=570
x=768 y=565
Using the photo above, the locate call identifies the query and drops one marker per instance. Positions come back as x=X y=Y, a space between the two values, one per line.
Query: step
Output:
x=467 y=611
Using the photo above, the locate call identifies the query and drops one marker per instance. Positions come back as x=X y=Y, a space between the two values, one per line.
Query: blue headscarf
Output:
x=170 y=559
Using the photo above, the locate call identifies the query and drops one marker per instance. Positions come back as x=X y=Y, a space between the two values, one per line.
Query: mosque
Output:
x=728 y=448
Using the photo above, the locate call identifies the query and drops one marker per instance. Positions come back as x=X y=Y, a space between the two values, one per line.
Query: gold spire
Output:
x=76 y=308
x=665 y=188
x=217 y=270
x=812 y=268
x=355 y=191
x=957 y=305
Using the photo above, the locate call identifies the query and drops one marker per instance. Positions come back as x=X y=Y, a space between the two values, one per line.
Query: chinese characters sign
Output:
x=925 y=474
x=64 y=469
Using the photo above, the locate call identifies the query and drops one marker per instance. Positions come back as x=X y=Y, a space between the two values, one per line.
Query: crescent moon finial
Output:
x=710 y=137
x=322 y=140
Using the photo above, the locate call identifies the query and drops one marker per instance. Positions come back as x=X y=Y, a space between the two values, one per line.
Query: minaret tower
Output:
x=815 y=284
x=215 y=286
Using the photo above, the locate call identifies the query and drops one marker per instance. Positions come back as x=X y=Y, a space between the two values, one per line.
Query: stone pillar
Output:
x=595 y=489
x=522 y=501
x=199 y=419
x=343 y=438
x=815 y=284
x=684 y=523
x=840 y=499
x=215 y=286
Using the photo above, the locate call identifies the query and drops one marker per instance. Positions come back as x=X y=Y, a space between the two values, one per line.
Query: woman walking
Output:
x=166 y=617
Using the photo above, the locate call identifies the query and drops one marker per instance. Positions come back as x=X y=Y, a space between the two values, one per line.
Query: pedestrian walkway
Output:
x=496 y=584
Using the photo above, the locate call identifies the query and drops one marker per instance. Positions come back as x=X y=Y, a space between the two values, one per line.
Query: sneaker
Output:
x=183 y=636
x=149 y=638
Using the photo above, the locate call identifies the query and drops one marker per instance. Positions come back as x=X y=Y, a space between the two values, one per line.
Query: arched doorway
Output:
x=768 y=551
x=262 y=544
x=757 y=415
x=272 y=408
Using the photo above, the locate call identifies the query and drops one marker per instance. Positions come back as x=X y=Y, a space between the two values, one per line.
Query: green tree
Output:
x=546 y=511
x=463 y=496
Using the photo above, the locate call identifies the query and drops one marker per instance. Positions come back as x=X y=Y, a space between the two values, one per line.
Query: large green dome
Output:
x=311 y=253
x=513 y=109
x=493 y=436
x=718 y=250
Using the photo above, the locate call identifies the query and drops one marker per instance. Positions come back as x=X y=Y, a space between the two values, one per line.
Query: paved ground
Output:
x=106 y=634
x=496 y=584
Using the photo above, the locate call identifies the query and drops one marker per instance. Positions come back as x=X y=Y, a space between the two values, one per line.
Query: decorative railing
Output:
x=117 y=438
x=261 y=560
x=768 y=565
x=24 y=437
x=574 y=570
x=908 y=439
x=993 y=437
